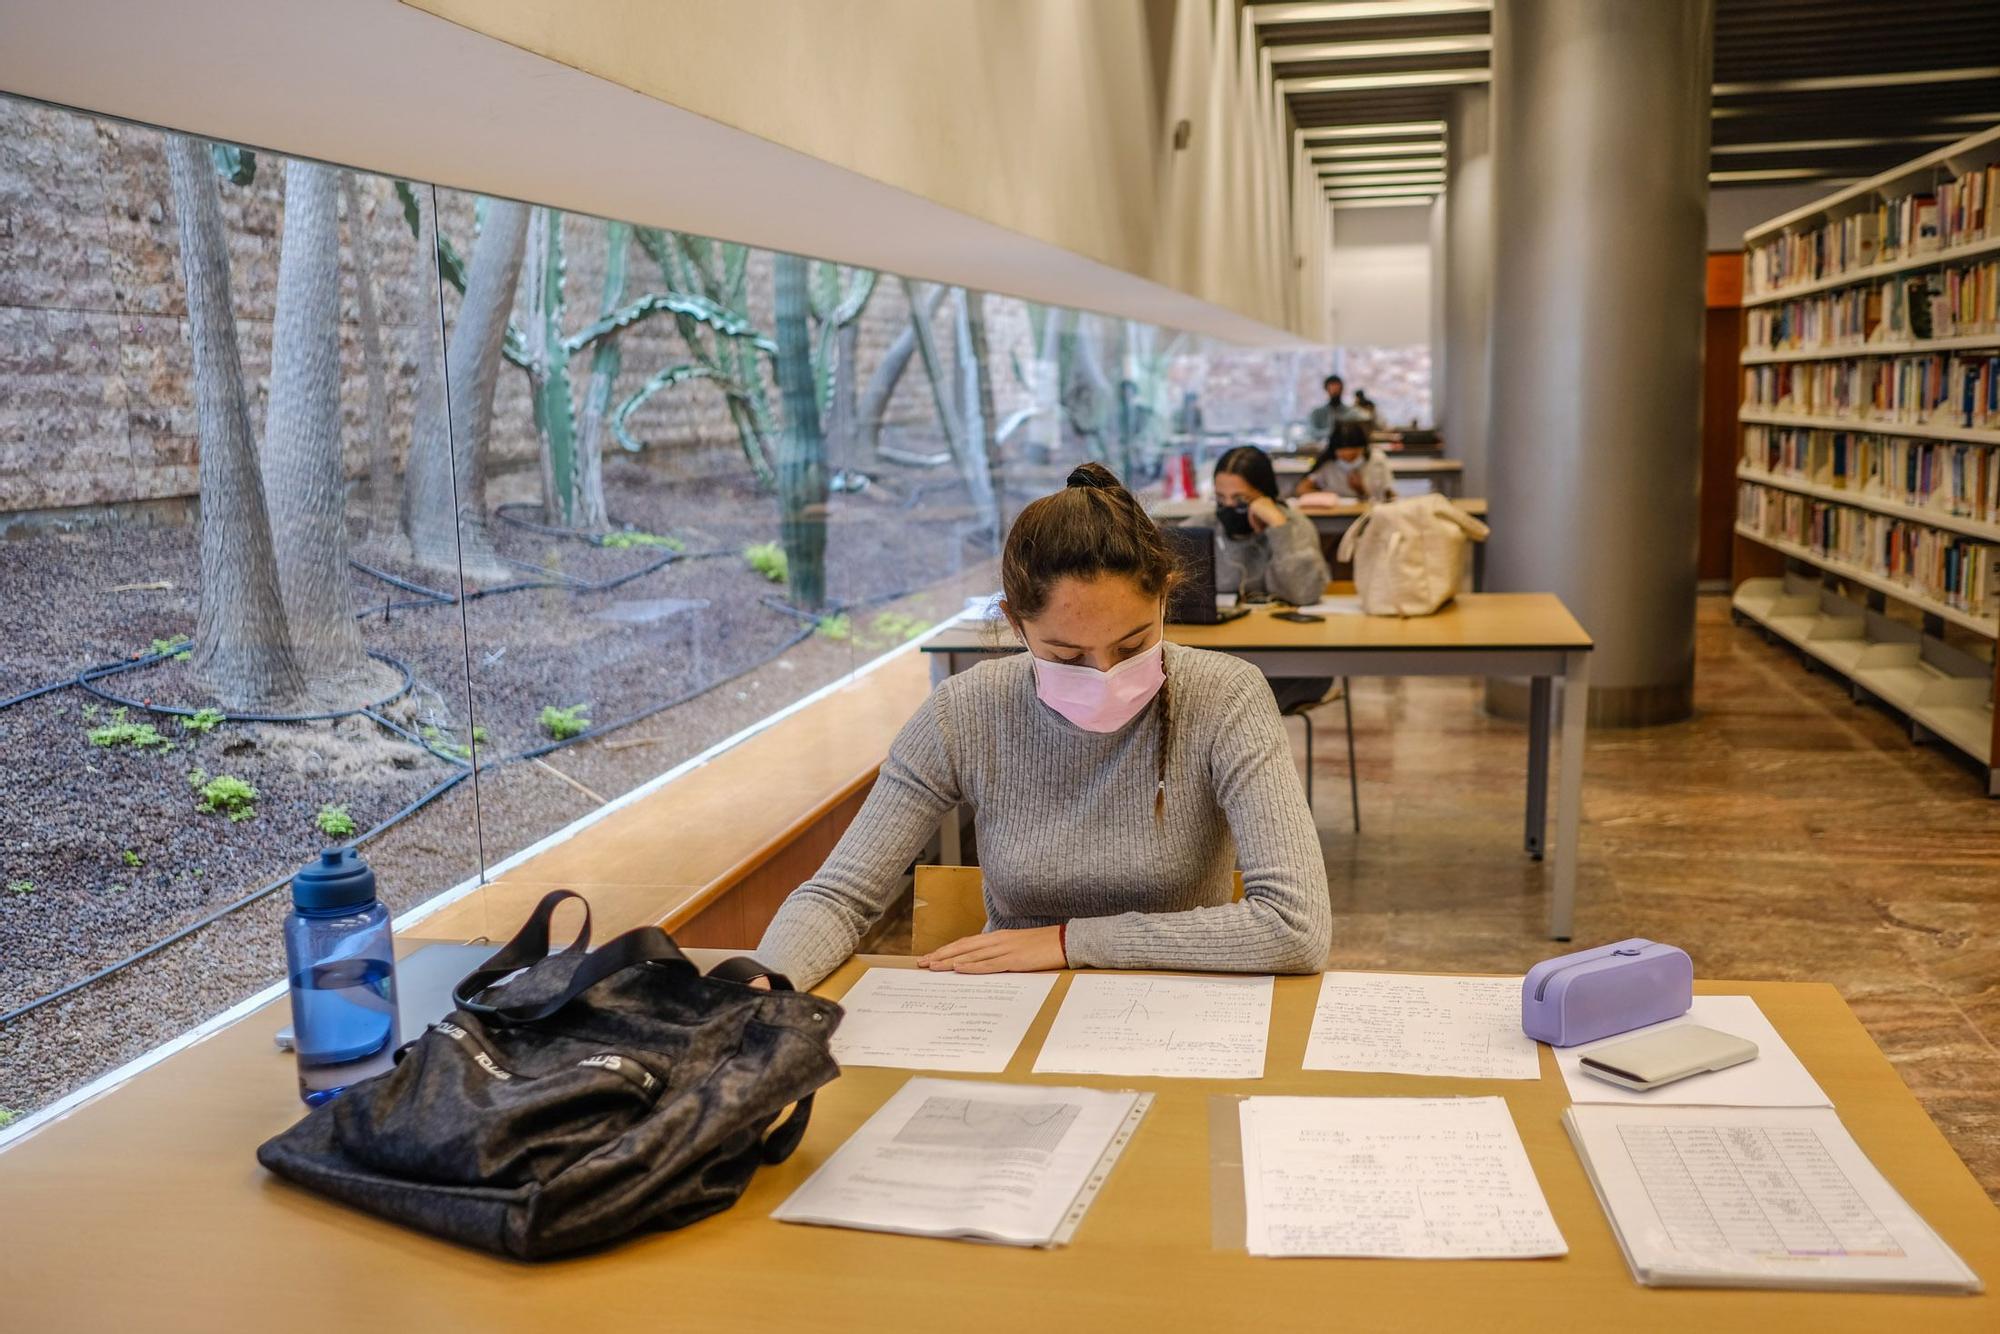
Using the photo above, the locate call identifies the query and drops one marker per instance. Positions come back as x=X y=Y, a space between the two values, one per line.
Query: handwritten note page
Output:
x=1417 y=1178
x=1774 y=1078
x=964 y=1158
x=1181 y=1027
x=1755 y=1197
x=1415 y=1025
x=915 y=1020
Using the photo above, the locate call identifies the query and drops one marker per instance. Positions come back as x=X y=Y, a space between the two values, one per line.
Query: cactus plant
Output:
x=802 y=487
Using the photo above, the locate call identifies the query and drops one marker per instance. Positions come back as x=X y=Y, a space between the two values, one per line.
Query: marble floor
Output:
x=1784 y=833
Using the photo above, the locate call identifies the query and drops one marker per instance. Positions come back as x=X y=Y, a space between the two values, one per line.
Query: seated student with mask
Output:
x=1266 y=548
x=1350 y=467
x=1116 y=781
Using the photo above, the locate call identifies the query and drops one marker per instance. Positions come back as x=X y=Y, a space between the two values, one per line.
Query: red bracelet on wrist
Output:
x=1062 y=941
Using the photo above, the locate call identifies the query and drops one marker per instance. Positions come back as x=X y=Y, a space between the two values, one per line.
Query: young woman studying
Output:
x=1265 y=546
x=1350 y=466
x=1116 y=781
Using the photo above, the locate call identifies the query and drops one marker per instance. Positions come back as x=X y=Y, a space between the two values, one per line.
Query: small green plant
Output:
x=223 y=795
x=89 y=712
x=478 y=736
x=131 y=858
x=20 y=886
x=115 y=888
x=119 y=732
x=562 y=724
x=897 y=627
x=8 y=1116
x=622 y=541
x=441 y=741
x=334 y=821
x=178 y=646
x=768 y=559
x=837 y=628
x=204 y=721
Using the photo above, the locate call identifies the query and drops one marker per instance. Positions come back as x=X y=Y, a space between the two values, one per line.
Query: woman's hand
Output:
x=1266 y=513
x=1033 y=950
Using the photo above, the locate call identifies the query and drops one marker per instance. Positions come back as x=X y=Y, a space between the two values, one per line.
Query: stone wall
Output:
x=95 y=371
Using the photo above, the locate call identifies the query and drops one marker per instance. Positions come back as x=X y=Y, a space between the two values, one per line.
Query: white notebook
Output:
x=1755 y=1197
x=1012 y=1163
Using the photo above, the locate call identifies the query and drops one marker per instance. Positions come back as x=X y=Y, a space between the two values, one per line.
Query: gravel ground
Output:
x=69 y=811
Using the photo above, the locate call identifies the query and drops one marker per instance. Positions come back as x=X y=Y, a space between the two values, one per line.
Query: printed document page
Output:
x=1419 y=1178
x=1755 y=1197
x=916 y=1020
x=963 y=1158
x=1773 y=1078
x=1411 y=1025
x=1181 y=1027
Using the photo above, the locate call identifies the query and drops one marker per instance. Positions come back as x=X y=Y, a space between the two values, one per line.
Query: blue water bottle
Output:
x=340 y=955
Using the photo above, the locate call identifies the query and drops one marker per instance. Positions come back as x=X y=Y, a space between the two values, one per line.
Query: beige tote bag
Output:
x=1409 y=555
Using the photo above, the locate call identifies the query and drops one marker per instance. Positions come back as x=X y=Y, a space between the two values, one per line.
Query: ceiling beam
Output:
x=1269 y=16
x=1843 y=82
x=1354 y=83
x=1415 y=148
x=1381 y=129
x=1335 y=171
x=1391 y=201
x=1387 y=178
x=1831 y=145
x=1412 y=46
x=1383 y=191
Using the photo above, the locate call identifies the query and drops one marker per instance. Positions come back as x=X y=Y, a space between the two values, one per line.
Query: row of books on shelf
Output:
x=1953 y=479
x=1958 y=212
x=1955 y=301
x=1958 y=571
x=1919 y=389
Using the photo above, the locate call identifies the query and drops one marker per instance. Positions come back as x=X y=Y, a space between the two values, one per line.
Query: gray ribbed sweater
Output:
x=1066 y=828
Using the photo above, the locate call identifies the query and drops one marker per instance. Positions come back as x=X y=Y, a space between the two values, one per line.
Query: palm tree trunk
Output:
x=305 y=477
x=381 y=454
x=452 y=449
x=243 y=648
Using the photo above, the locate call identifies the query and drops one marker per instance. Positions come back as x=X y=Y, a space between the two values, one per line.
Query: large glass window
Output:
x=342 y=509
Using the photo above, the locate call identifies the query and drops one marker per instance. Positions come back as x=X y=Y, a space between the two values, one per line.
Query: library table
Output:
x=146 y=1210
x=1476 y=634
x=1444 y=474
x=1329 y=523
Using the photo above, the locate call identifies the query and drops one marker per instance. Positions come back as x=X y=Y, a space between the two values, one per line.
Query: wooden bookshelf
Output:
x=1936 y=668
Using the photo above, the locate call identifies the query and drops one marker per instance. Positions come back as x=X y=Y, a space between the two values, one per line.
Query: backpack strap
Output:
x=784 y=1138
x=1351 y=539
x=530 y=945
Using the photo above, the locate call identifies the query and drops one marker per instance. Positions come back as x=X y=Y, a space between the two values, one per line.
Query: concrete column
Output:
x=1600 y=183
x=1468 y=283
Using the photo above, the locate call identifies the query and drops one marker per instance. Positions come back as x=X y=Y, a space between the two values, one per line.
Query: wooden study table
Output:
x=1476 y=634
x=146 y=1210
x=1444 y=474
x=1330 y=524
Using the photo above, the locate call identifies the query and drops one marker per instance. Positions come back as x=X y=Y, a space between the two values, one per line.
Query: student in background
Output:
x=1117 y=780
x=1187 y=418
x=1266 y=548
x=1323 y=418
x=1350 y=467
x=1364 y=407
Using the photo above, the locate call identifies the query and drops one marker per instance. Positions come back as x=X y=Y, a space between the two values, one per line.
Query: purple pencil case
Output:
x=1614 y=988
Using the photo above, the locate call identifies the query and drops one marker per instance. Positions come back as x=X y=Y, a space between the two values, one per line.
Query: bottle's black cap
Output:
x=338 y=880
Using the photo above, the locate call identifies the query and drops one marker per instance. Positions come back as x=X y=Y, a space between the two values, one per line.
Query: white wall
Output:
x=1379 y=277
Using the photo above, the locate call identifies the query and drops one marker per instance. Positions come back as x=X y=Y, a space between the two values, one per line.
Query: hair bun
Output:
x=1093 y=476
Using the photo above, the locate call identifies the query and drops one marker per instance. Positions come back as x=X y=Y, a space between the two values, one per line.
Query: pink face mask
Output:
x=1102 y=701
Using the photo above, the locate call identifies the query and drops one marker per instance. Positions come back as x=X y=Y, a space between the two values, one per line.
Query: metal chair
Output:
x=1303 y=712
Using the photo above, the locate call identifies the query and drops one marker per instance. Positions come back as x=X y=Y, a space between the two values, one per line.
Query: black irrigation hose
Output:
x=87 y=679
x=139 y=956
x=412 y=808
x=37 y=692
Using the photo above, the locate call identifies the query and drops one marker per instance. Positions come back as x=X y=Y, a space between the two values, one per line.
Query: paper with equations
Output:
x=1180 y=1027
x=1417 y=1025
x=1775 y=1078
x=1413 y=1178
x=1762 y=1197
x=915 y=1020
x=1014 y=1163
